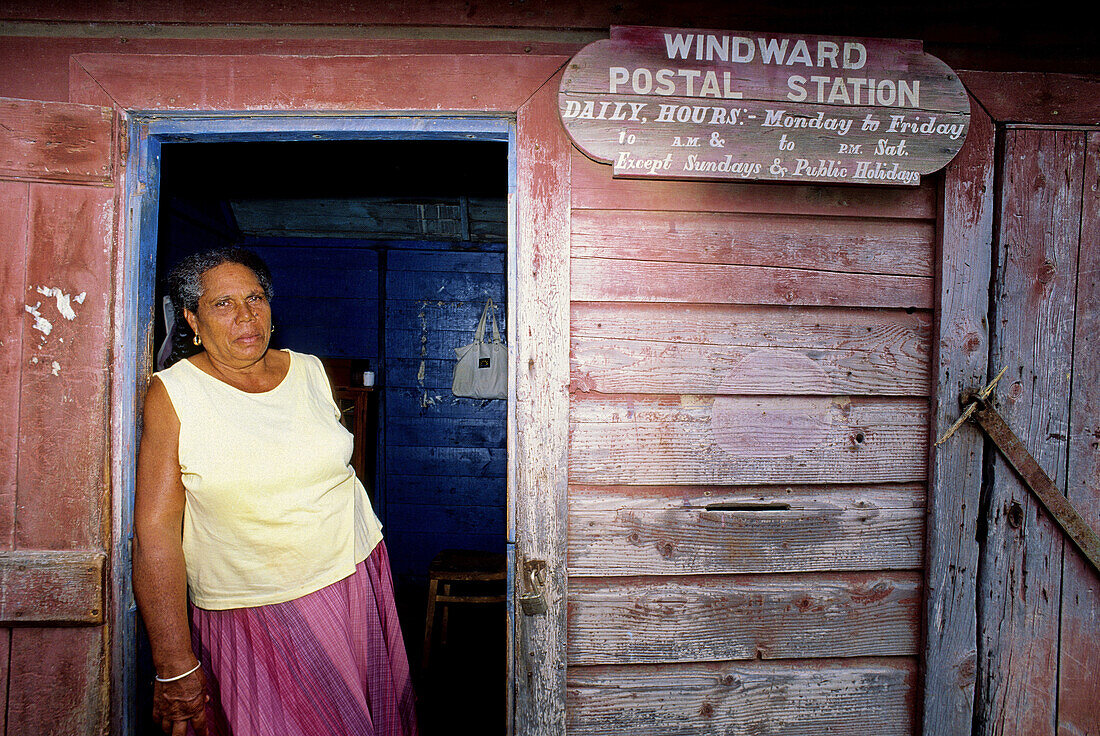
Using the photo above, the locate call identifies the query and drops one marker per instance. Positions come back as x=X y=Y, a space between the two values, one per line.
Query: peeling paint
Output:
x=41 y=324
x=426 y=400
x=55 y=368
x=64 y=301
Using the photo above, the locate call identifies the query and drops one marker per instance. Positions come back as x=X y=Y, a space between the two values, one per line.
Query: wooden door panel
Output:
x=62 y=410
x=1020 y=571
x=1079 y=651
x=57 y=225
x=57 y=682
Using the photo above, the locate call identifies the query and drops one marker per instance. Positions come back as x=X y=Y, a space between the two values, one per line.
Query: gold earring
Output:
x=196 y=340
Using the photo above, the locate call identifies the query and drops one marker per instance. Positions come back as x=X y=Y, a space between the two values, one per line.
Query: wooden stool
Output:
x=483 y=573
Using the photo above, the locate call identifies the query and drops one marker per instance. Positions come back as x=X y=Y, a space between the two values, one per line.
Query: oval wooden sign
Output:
x=667 y=103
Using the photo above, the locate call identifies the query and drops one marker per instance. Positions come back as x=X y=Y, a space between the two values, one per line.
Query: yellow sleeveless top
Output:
x=273 y=508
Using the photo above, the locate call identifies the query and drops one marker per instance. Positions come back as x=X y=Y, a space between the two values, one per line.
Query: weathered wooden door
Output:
x=57 y=226
x=1038 y=601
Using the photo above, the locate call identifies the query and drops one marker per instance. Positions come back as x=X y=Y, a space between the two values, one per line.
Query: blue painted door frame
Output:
x=146 y=132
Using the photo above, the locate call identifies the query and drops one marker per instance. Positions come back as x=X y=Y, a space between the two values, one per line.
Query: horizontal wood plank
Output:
x=623 y=280
x=739 y=440
x=456 y=286
x=440 y=402
x=468 y=461
x=620 y=366
x=446 y=490
x=335 y=342
x=304 y=82
x=717 y=618
x=1036 y=97
x=856 y=245
x=439 y=432
x=400 y=261
x=714 y=530
x=51 y=587
x=593 y=188
x=426 y=342
x=646 y=348
x=436 y=374
x=471 y=520
x=445 y=315
x=58 y=142
x=586 y=498
x=756 y=326
x=792 y=698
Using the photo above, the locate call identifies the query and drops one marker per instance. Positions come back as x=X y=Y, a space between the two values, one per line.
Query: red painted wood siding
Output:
x=750 y=372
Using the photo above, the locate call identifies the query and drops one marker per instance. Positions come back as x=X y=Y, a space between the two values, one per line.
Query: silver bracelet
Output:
x=158 y=678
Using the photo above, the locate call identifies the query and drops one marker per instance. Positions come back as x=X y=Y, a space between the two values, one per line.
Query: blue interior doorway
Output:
x=385 y=235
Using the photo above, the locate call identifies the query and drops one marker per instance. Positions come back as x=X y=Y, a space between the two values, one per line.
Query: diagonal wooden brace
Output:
x=1022 y=461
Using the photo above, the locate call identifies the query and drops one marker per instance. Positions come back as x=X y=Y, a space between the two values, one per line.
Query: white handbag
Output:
x=482 y=368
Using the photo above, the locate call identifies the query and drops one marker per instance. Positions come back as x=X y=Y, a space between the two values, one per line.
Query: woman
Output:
x=292 y=628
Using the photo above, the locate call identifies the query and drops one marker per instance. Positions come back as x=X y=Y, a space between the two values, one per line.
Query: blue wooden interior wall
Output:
x=445 y=456
x=326 y=297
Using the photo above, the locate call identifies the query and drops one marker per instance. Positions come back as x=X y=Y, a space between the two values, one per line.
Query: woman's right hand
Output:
x=183 y=701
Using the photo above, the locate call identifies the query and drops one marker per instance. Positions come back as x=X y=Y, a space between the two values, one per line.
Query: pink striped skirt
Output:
x=331 y=663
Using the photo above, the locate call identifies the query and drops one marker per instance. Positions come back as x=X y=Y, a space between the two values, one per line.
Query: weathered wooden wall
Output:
x=57 y=226
x=815 y=347
x=749 y=413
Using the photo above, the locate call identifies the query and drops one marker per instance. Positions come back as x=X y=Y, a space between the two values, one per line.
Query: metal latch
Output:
x=534 y=577
x=979 y=410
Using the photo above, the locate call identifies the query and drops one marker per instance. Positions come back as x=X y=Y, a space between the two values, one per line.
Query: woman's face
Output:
x=233 y=318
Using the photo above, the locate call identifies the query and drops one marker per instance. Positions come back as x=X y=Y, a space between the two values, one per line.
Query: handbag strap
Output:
x=479 y=336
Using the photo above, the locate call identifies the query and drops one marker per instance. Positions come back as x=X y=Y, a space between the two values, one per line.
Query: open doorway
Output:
x=383 y=253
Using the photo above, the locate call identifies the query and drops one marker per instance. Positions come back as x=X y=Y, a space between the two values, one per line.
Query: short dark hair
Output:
x=185 y=279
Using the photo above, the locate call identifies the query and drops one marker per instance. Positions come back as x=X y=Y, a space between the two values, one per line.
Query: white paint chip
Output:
x=64 y=305
x=41 y=324
x=56 y=368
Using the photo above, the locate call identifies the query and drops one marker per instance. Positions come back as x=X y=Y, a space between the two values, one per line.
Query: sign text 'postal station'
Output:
x=689 y=104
